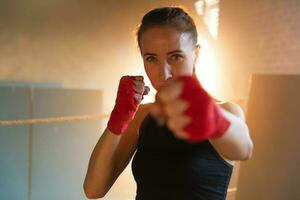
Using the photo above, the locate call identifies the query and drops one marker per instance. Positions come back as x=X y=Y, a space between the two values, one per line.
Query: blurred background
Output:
x=65 y=57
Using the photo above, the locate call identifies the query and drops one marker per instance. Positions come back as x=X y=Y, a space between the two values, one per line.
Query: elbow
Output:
x=247 y=148
x=248 y=151
x=242 y=153
x=91 y=193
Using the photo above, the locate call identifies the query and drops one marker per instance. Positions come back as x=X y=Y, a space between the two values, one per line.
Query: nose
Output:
x=166 y=71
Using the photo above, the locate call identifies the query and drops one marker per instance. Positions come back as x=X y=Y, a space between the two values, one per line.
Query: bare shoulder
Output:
x=236 y=110
x=232 y=108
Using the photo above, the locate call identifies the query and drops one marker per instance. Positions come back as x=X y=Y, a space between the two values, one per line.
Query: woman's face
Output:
x=167 y=53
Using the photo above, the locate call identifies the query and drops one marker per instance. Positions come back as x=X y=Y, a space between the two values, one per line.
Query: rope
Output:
x=52 y=120
x=231 y=189
x=63 y=119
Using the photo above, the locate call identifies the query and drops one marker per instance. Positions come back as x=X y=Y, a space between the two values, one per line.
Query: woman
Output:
x=185 y=142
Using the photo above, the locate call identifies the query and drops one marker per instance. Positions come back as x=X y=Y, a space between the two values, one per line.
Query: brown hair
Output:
x=168 y=16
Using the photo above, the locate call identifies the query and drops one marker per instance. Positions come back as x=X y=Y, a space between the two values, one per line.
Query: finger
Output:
x=139 y=88
x=181 y=134
x=146 y=91
x=175 y=107
x=139 y=78
x=177 y=124
x=138 y=82
x=170 y=92
x=138 y=97
x=156 y=112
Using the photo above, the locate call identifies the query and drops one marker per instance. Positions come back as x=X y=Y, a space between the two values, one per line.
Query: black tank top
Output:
x=167 y=168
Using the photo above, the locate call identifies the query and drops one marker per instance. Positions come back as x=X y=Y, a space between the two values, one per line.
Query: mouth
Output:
x=164 y=83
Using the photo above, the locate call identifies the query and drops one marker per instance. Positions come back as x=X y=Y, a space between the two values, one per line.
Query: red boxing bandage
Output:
x=207 y=119
x=125 y=106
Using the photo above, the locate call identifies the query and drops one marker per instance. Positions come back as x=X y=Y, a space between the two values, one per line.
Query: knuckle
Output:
x=137 y=98
x=141 y=78
x=168 y=109
x=138 y=89
x=139 y=83
x=173 y=125
x=163 y=96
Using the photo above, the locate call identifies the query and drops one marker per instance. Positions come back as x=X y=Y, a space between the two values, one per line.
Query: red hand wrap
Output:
x=125 y=106
x=207 y=119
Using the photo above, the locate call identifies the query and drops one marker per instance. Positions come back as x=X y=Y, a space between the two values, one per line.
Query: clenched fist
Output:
x=189 y=111
x=130 y=94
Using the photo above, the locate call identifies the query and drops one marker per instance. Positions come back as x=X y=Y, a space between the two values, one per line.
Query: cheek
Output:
x=152 y=75
x=189 y=65
x=184 y=68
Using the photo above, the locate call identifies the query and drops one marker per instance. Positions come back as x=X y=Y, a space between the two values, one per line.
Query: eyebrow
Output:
x=171 y=52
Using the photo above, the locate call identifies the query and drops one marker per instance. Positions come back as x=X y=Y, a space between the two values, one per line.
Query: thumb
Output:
x=146 y=90
x=156 y=112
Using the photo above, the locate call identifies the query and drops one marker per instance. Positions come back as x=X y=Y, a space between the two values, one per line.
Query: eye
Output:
x=150 y=59
x=176 y=57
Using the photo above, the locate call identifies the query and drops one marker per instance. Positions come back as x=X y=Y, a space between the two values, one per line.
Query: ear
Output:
x=197 y=50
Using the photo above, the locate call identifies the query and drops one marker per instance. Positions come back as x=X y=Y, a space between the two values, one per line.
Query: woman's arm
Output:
x=101 y=165
x=236 y=143
x=110 y=156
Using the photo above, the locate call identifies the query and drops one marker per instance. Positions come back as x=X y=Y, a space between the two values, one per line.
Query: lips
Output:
x=164 y=83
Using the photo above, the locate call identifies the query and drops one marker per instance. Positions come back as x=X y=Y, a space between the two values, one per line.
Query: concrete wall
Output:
x=257 y=37
x=83 y=44
x=91 y=44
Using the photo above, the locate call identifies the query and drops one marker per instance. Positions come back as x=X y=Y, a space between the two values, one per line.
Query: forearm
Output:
x=101 y=166
x=118 y=142
x=236 y=143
